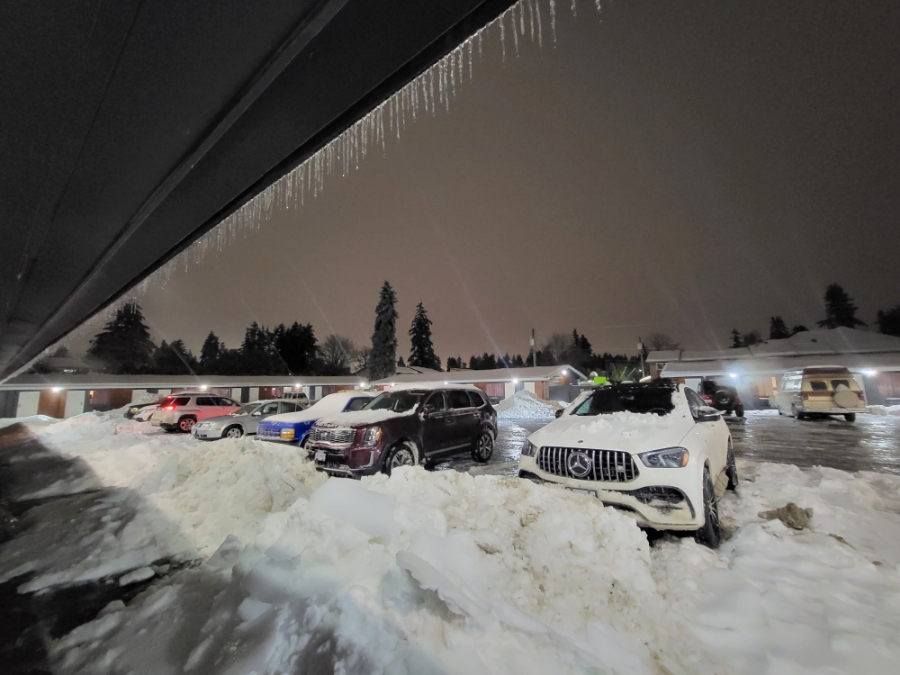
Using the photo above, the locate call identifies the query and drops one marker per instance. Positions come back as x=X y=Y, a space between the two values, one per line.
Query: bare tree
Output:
x=658 y=342
x=361 y=358
x=557 y=347
x=337 y=353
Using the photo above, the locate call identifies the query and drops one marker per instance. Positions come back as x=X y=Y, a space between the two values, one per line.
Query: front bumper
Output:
x=208 y=434
x=660 y=499
x=350 y=462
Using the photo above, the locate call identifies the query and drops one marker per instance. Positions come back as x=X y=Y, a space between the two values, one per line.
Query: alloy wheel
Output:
x=234 y=432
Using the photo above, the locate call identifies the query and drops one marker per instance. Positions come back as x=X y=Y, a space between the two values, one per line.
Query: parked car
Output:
x=820 y=391
x=145 y=413
x=418 y=425
x=243 y=421
x=653 y=450
x=721 y=397
x=297 y=397
x=294 y=427
x=180 y=412
x=140 y=408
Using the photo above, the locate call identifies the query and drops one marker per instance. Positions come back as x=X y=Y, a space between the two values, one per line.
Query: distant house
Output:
x=547 y=382
x=757 y=370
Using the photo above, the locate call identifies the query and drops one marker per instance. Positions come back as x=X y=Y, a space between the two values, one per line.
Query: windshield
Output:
x=607 y=401
x=398 y=401
x=246 y=409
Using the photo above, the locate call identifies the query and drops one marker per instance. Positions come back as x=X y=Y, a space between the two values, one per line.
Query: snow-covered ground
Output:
x=884 y=410
x=524 y=405
x=444 y=572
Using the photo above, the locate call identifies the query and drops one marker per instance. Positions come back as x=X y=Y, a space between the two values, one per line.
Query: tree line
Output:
x=840 y=311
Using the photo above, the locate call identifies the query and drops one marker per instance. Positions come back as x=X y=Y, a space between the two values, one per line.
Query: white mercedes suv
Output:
x=653 y=450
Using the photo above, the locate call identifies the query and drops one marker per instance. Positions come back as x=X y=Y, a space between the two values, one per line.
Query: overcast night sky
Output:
x=689 y=167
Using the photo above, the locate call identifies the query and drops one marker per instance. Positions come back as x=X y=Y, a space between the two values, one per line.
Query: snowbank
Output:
x=883 y=410
x=524 y=405
x=450 y=573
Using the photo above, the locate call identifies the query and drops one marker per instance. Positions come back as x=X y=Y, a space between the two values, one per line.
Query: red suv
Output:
x=405 y=427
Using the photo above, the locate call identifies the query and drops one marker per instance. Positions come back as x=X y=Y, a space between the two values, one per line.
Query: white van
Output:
x=820 y=390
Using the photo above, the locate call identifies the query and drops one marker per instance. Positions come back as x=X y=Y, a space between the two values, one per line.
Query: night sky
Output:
x=687 y=167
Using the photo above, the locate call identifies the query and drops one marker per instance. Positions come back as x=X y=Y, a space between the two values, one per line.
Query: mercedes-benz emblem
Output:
x=579 y=464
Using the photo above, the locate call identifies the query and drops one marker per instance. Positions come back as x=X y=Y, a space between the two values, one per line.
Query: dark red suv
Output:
x=405 y=427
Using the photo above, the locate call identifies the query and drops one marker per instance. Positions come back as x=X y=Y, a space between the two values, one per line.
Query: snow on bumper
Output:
x=665 y=499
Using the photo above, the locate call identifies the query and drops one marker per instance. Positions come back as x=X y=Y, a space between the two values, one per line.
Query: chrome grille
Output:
x=611 y=466
x=269 y=431
x=333 y=436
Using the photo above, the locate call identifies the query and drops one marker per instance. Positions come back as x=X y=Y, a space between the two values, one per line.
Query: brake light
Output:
x=169 y=407
x=805 y=396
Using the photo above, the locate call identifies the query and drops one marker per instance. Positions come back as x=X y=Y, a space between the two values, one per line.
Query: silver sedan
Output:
x=243 y=421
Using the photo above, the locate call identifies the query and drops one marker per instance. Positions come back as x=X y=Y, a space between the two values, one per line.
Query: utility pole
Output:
x=533 y=350
x=641 y=352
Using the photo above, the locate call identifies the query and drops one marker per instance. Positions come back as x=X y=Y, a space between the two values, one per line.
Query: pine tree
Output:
x=778 y=329
x=174 y=359
x=384 y=339
x=799 y=328
x=736 y=339
x=125 y=345
x=889 y=321
x=210 y=353
x=839 y=309
x=422 y=352
x=452 y=363
x=296 y=347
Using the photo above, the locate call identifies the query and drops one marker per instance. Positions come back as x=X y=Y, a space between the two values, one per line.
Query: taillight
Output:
x=805 y=395
x=169 y=407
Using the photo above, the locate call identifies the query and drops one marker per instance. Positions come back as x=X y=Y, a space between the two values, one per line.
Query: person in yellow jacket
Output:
x=598 y=379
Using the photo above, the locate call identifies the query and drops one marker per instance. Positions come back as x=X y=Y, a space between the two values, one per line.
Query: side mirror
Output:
x=706 y=413
x=428 y=408
x=559 y=413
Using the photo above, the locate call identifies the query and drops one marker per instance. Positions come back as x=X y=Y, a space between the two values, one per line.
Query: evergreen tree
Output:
x=125 y=346
x=422 y=352
x=778 y=329
x=384 y=339
x=839 y=309
x=400 y=363
x=751 y=338
x=736 y=339
x=889 y=321
x=210 y=353
x=518 y=362
x=452 y=363
x=257 y=355
x=174 y=359
x=297 y=348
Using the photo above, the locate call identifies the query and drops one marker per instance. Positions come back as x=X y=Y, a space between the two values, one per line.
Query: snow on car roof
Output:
x=327 y=405
x=429 y=386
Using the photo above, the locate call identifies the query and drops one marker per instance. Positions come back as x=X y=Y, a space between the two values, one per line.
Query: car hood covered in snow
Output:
x=362 y=417
x=630 y=432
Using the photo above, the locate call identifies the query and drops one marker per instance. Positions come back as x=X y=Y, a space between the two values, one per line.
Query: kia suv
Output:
x=652 y=450
x=404 y=427
x=180 y=412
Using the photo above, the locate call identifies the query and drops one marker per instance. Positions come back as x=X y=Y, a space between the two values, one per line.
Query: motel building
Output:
x=756 y=371
x=63 y=395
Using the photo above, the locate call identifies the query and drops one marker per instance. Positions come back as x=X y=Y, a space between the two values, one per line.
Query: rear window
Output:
x=837 y=383
x=818 y=385
x=175 y=402
x=458 y=399
x=205 y=400
x=225 y=402
x=637 y=400
x=477 y=400
x=358 y=403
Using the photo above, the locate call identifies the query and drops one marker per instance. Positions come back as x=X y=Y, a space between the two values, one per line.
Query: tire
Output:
x=739 y=410
x=710 y=534
x=233 y=432
x=185 y=424
x=401 y=454
x=731 y=469
x=305 y=442
x=483 y=448
x=723 y=399
x=850 y=417
x=796 y=414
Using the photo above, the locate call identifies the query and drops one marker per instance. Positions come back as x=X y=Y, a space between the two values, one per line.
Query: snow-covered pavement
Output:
x=447 y=572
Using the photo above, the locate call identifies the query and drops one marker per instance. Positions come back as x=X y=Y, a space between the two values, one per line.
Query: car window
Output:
x=476 y=398
x=269 y=409
x=397 y=401
x=246 y=409
x=837 y=383
x=818 y=385
x=285 y=407
x=609 y=400
x=175 y=402
x=357 y=403
x=694 y=402
x=205 y=400
x=438 y=400
x=458 y=399
x=225 y=402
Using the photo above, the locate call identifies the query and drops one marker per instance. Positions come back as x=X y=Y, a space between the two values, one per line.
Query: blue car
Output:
x=294 y=427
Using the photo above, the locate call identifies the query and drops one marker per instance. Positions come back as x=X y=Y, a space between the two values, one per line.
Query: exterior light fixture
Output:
x=515 y=381
x=565 y=372
x=732 y=374
x=203 y=387
x=870 y=373
x=56 y=390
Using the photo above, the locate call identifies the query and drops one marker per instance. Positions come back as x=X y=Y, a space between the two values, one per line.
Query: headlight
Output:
x=667 y=458
x=287 y=432
x=371 y=436
x=528 y=449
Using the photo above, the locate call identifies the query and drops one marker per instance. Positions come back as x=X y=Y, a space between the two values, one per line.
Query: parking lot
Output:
x=872 y=443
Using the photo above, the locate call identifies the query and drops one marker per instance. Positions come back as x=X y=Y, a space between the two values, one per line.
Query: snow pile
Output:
x=884 y=410
x=524 y=405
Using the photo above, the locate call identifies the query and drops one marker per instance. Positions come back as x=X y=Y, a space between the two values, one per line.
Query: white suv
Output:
x=653 y=450
x=180 y=412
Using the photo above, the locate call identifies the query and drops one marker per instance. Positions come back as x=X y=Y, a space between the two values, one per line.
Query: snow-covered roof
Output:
x=778 y=365
x=107 y=381
x=529 y=374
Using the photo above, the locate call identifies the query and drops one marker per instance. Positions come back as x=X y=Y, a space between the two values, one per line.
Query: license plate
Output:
x=320 y=455
x=592 y=493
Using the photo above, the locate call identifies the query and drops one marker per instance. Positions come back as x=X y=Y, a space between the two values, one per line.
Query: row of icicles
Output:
x=429 y=92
